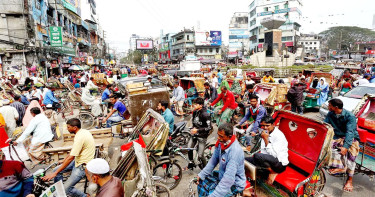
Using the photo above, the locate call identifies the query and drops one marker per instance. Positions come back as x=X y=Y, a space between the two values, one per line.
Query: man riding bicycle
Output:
x=256 y=112
x=230 y=180
x=201 y=129
x=223 y=113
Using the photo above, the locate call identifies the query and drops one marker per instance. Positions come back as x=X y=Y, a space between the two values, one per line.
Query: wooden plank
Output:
x=65 y=148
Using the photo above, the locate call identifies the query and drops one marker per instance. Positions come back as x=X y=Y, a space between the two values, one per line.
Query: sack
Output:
x=208 y=185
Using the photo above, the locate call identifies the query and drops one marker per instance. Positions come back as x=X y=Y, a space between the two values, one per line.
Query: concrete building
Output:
x=25 y=34
x=261 y=9
x=165 y=47
x=311 y=44
x=132 y=42
x=238 y=36
x=373 y=23
x=182 y=44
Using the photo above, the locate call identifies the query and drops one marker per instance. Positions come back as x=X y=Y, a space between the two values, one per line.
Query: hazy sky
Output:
x=121 y=18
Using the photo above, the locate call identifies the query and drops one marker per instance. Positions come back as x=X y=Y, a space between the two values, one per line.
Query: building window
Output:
x=217 y=50
x=187 y=37
x=310 y=42
x=314 y=47
x=277 y=7
x=314 y=42
x=266 y=9
x=286 y=5
x=310 y=47
x=200 y=51
x=205 y=50
x=210 y=50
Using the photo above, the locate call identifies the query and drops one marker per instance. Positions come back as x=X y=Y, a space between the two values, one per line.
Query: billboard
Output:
x=208 y=38
x=73 y=5
x=144 y=44
x=55 y=36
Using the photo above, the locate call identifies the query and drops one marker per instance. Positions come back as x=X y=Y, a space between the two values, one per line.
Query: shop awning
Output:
x=76 y=67
x=289 y=44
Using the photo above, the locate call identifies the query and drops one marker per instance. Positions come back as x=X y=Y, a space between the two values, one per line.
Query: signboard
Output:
x=90 y=60
x=73 y=5
x=280 y=11
x=164 y=47
x=56 y=36
x=370 y=52
x=208 y=38
x=68 y=51
x=144 y=44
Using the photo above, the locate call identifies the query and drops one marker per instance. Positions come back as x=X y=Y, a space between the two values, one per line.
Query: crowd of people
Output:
x=35 y=109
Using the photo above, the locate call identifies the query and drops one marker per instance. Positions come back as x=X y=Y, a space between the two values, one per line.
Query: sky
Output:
x=121 y=18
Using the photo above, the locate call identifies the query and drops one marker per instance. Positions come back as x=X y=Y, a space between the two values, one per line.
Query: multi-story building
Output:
x=133 y=42
x=165 y=47
x=238 y=35
x=288 y=9
x=30 y=31
x=182 y=44
x=311 y=44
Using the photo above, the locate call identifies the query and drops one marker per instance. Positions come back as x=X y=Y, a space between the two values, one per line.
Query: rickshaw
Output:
x=365 y=112
x=273 y=96
x=193 y=87
x=312 y=96
x=253 y=75
x=309 y=144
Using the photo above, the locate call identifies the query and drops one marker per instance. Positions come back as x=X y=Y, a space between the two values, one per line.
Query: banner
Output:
x=144 y=44
x=55 y=36
x=208 y=38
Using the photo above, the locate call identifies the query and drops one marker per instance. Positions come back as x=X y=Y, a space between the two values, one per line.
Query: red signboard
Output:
x=370 y=52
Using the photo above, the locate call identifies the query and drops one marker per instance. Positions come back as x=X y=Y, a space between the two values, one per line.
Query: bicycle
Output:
x=39 y=185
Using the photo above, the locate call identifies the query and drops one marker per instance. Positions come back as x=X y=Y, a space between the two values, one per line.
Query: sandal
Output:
x=335 y=173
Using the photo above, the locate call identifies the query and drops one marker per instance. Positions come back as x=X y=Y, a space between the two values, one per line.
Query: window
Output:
x=286 y=5
x=314 y=47
x=310 y=47
x=187 y=37
x=210 y=50
x=310 y=42
x=205 y=50
x=266 y=9
x=277 y=7
x=314 y=42
x=217 y=50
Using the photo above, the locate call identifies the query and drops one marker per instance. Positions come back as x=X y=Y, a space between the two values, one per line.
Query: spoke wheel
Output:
x=162 y=190
x=87 y=120
x=167 y=173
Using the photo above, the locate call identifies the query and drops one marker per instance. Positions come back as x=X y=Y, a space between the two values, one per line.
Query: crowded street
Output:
x=187 y=99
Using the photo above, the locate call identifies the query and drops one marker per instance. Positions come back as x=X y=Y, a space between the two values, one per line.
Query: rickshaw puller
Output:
x=345 y=147
x=224 y=113
x=274 y=150
x=257 y=112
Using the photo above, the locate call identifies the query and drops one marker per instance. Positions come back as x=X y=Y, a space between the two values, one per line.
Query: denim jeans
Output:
x=113 y=119
x=201 y=146
x=77 y=174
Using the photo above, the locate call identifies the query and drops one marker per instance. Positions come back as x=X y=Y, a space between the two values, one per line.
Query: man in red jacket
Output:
x=223 y=113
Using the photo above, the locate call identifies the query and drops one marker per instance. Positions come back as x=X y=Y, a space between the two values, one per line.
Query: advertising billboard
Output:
x=73 y=5
x=55 y=36
x=208 y=38
x=144 y=45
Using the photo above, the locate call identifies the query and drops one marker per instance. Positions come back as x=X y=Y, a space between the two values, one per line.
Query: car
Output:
x=351 y=98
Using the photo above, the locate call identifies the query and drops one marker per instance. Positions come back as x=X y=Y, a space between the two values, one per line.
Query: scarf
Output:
x=227 y=144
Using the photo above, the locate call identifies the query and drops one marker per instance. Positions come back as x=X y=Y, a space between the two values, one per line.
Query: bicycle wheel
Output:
x=168 y=173
x=162 y=190
x=87 y=120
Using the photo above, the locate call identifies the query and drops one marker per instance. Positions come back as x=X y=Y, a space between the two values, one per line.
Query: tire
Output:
x=320 y=183
x=162 y=190
x=168 y=173
x=87 y=120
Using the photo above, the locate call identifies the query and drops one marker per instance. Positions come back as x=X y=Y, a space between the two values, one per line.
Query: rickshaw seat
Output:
x=366 y=136
x=297 y=170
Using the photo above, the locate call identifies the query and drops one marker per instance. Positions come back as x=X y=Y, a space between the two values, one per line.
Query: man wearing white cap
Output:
x=97 y=172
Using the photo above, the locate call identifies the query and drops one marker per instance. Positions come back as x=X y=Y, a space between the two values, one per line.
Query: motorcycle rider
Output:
x=201 y=129
x=256 y=112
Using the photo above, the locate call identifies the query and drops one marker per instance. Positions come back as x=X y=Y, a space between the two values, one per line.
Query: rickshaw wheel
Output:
x=320 y=183
x=87 y=120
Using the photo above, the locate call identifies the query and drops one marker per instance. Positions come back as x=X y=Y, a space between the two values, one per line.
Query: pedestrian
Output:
x=345 y=146
x=83 y=151
x=230 y=177
x=220 y=76
x=215 y=81
x=104 y=183
x=20 y=107
x=178 y=98
x=323 y=88
x=83 y=80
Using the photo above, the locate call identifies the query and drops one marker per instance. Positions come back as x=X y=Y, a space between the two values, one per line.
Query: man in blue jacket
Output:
x=228 y=153
x=256 y=112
